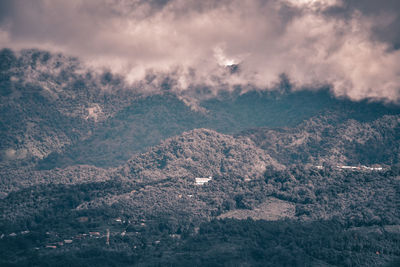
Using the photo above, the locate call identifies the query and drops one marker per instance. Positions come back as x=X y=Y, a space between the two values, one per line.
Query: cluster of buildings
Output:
x=362 y=167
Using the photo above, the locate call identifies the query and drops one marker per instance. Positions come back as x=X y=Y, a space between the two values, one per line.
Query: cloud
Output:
x=343 y=44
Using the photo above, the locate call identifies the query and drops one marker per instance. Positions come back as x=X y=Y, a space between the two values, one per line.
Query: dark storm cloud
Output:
x=346 y=44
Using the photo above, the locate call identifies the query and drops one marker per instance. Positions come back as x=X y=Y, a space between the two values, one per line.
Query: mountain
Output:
x=98 y=172
x=50 y=101
x=197 y=153
x=243 y=176
x=145 y=122
x=200 y=153
x=151 y=206
x=149 y=120
x=327 y=139
x=58 y=113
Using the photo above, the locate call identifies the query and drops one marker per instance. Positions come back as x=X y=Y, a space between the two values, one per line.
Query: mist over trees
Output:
x=96 y=173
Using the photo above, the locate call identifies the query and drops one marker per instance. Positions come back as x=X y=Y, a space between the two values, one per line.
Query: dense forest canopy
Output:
x=94 y=172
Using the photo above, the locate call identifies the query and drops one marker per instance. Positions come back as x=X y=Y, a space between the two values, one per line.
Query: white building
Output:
x=202 y=181
x=348 y=167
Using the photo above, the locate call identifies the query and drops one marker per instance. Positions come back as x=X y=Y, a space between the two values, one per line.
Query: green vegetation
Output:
x=342 y=219
x=304 y=207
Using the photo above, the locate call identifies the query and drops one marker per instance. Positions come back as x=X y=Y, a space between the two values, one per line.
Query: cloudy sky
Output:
x=351 y=45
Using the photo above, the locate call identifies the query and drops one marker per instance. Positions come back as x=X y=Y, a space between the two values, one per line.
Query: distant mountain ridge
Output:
x=56 y=113
x=149 y=120
x=324 y=139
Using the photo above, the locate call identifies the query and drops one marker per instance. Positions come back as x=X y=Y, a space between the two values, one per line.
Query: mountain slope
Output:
x=49 y=101
x=149 y=120
x=200 y=153
x=327 y=139
x=57 y=112
x=153 y=210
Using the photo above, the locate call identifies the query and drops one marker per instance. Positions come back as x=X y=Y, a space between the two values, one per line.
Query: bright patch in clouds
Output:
x=222 y=59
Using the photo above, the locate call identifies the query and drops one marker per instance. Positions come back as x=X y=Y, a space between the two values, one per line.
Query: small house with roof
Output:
x=202 y=180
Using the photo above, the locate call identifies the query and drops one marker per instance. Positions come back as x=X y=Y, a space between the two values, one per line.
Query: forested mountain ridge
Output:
x=196 y=153
x=83 y=157
x=149 y=120
x=356 y=213
x=235 y=165
x=323 y=139
x=205 y=152
x=55 y=112
x=200 y=153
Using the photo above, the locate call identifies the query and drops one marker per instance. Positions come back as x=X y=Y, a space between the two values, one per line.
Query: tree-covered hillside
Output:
x=98 y=172
x=341 y=218
x=326 y=139
x=156 y=214
x=56 y=112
